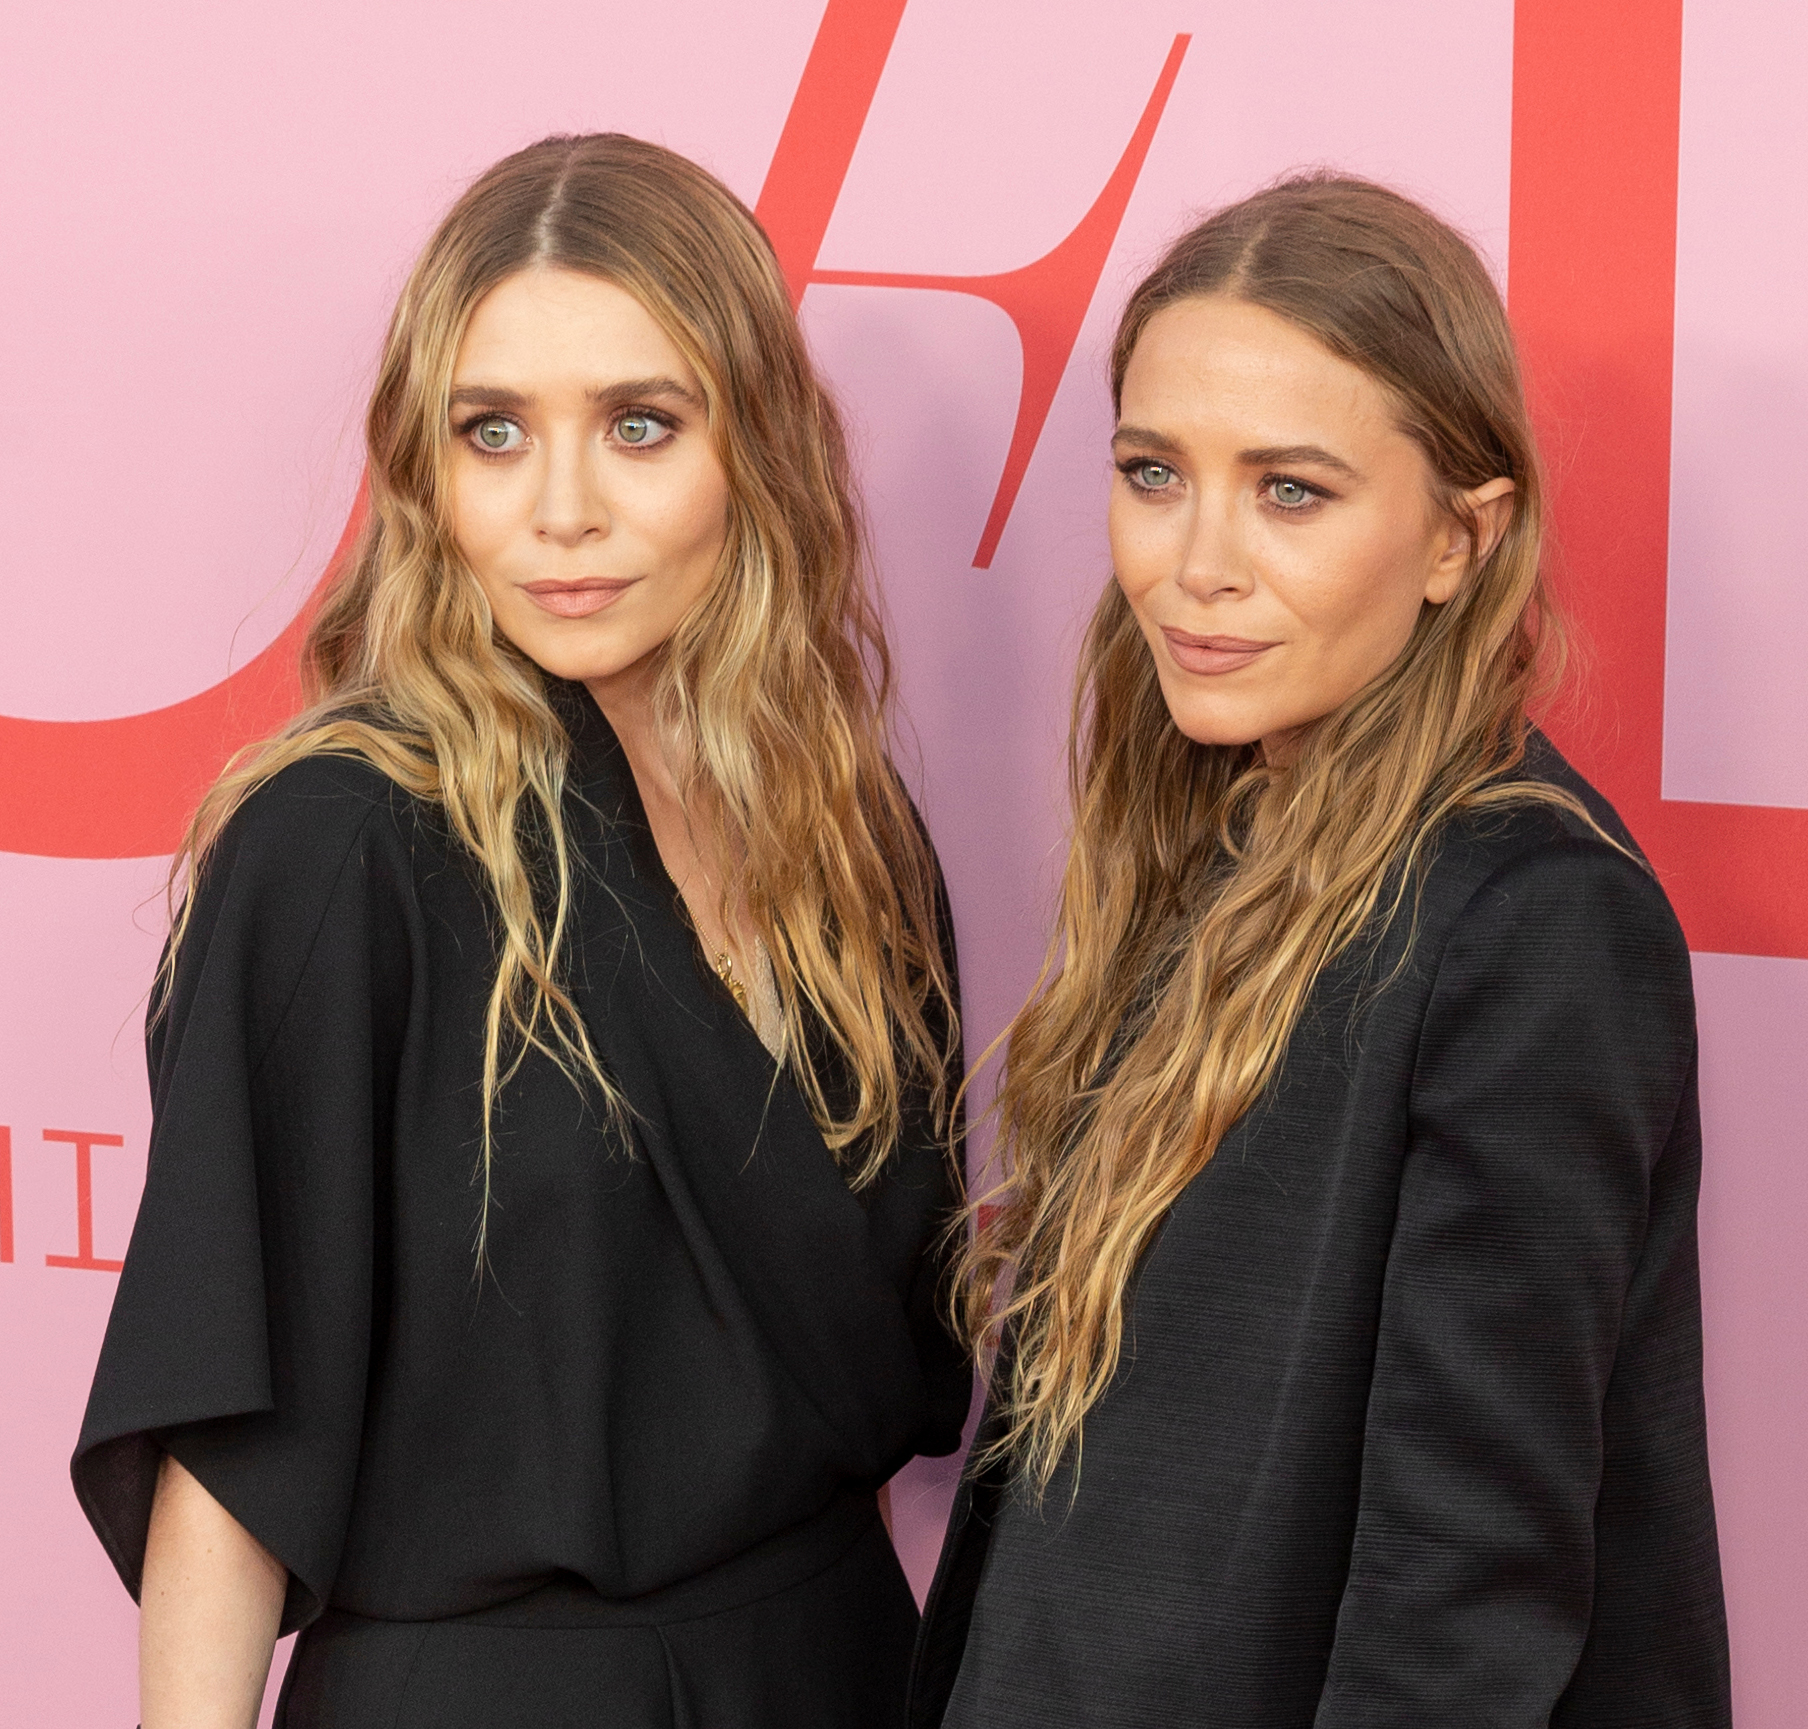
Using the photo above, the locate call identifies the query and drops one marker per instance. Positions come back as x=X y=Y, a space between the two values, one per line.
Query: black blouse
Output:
x=1409 y=1428
x=682 y=1343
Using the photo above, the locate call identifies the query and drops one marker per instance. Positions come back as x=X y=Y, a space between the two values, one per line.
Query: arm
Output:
x=1556 y=1048
x=213 y=1596
x=240 y=1332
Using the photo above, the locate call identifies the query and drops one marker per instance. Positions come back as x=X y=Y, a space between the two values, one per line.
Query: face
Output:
x=586 y=494
x=1274 y=531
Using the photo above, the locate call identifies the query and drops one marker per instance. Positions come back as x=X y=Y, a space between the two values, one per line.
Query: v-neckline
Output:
x=726 y=1129
x=601 y=759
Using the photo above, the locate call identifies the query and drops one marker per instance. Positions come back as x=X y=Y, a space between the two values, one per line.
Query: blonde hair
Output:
x=1228 y=882
x=778 y=679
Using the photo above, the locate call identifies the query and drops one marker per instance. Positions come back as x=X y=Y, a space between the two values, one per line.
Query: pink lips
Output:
x=1212 y=654
x=577 y=599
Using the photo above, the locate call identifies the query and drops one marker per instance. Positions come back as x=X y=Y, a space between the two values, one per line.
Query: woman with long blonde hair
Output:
x=536 y=1279
x=1340 y=1295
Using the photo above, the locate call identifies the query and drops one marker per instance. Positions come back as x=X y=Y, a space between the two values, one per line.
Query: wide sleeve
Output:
x=1558 y=1049
x=239 y=1340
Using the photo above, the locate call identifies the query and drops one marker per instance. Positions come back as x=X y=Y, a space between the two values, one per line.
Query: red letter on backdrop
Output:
x=1046 y=300
x=1593 y=268
x=828 y=113
x=84 y=1143
x=1597 y=90
x=123 y=788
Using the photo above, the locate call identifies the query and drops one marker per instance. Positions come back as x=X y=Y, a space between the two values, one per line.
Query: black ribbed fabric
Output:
x=680 y=1349
x=1409 y=1430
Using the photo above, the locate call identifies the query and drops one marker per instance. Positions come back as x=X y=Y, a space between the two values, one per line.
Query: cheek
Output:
x=482 y=516
x=679 y=515
x=705 y=510
x=1143 y=543
x=1361 y=600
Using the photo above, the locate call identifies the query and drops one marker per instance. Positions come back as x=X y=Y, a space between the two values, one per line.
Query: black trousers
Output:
x=813 y=1630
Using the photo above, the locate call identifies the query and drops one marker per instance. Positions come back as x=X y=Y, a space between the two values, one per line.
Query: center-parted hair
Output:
x=774 y=688
x=1205 y=891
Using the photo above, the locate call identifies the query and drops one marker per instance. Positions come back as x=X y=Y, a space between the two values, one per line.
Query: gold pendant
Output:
x=726 y=973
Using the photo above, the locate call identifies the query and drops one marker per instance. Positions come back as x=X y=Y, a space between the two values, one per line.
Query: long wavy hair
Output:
x=1206 y=889
x=774 y=689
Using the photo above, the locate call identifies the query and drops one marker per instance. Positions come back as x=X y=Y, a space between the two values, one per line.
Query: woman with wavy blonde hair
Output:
x=536 y=1282
x=1340 y=1295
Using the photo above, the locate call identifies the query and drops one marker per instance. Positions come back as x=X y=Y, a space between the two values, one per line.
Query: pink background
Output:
x=206 y=213
x=1737 y=668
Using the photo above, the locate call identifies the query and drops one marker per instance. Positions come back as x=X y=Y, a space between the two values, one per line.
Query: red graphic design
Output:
x=828 y=114
x=123 y=788
x=1596 y=82
x=6 y=1193
x=1596 y=104
x=84 y=1143
x=1046 y=300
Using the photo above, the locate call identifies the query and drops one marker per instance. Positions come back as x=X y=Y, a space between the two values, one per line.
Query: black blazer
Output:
x=1409 y=1430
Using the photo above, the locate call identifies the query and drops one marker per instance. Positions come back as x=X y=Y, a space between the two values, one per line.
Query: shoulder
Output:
x=313 y=873
x=315 y=798
x=1556 y=980
x=1530 y=882
x=319 y=823
x=1533 y=837
x=311 y=810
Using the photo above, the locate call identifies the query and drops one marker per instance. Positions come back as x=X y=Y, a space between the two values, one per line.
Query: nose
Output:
x=1216 y=562
x=572 y=506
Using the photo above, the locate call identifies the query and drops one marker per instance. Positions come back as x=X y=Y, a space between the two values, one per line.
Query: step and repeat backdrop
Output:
x=206 y=210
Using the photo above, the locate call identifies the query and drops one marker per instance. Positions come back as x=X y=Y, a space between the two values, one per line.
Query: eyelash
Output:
x=1315 y=494
x=664 y=422
x=471 y=423
x=1128 y=469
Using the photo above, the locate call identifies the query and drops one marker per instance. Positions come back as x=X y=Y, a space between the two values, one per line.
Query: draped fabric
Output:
x=688 y=1338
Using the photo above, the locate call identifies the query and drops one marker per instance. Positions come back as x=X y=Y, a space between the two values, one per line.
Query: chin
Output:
x=1209 y=723
x=556 y=663
x=577 y=655
x=1230 y=737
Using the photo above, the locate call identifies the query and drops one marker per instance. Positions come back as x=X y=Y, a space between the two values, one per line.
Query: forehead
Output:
x=1212 y=365
x=546 y=326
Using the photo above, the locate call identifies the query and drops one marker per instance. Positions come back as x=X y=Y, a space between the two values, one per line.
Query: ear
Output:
x=1490 y=508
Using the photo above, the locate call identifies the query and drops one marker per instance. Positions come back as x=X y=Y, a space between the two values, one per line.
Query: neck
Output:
x=626 y=699
x=1279 y=748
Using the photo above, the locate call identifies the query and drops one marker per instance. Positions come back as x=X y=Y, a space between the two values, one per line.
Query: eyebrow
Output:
x=1279 y=455
x=488 y=396
x=1148 y=440
x=623 y=390
x=1263 y=456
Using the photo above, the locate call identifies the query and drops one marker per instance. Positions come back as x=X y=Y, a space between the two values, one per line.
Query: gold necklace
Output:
x=725 y=972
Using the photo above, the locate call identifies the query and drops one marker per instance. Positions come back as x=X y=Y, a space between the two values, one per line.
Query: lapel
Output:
x=771 y=1226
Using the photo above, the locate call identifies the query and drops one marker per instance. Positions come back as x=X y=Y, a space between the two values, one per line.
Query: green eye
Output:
x=1290 y=493
x=494 y=434
x=636 y=429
